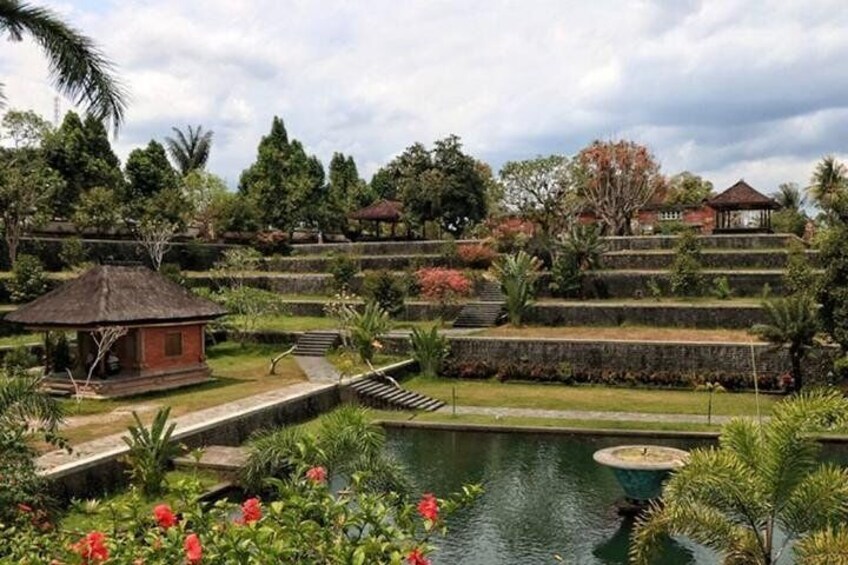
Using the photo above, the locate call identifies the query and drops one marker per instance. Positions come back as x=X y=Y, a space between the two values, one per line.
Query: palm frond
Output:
x=22 y=400
x=826 y=547
x=819 y=500
x=189 y=151
x=79 y=69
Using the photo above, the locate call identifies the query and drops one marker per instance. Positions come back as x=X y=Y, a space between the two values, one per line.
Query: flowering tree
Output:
x=616 y=178
x=445 y=286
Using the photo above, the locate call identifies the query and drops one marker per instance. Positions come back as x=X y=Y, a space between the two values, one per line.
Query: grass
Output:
x=594 y=398
x=20 y=339
x=439 y=417
x=349 y=364
x=97 y=516
x=312 y=323
x=634 y=333
x=240 y=371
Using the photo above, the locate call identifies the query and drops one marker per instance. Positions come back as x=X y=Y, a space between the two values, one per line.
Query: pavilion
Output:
x=163 y=341
x=742 y=209
x=380 y=212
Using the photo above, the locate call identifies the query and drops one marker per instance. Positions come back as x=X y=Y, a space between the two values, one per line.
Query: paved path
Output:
x=317 y=369
x=585 y=415
x=111 y=445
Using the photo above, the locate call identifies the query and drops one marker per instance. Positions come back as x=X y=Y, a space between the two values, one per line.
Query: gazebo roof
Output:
x=380 y=211
x=742 y=196
x=110 y=295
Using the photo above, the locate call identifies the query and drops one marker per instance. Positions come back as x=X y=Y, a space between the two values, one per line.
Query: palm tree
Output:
x=793 y=322
x=829 y=183
x=790 y=197
x=189 y=150
x=517 y=276
x=78 y=68
x=762 y=477
x=23 y=400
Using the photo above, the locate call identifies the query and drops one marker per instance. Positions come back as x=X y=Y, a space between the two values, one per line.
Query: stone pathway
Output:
x=318 y=369
x=56 y=461
x=500 y=412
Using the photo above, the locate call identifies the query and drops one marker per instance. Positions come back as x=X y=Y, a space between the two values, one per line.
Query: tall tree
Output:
x=189 y=150
x=81 y=153
x=790 y=196
x=829 y=188
x=616 y=178
x=78 y=67
x=384 y=184
x=791 y=218
x=26 y=186
x=688 y=188
x=541 y=190
x=209 y=200
x=793 y=323
x=347 y=191
x=25 y=128
x=149 y=172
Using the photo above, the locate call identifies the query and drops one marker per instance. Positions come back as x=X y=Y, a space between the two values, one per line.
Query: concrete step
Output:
x=380 y=394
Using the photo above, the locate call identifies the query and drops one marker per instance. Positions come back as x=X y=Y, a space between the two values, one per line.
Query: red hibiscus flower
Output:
x=193 y=549
x=92 y=548
x=415 y=557
x=428 y=507
x=164 y=516
x=24 y=508
x=251 y=511
x=317 y=474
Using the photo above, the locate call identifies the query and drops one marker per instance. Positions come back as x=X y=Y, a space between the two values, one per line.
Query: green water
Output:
x=544 y=497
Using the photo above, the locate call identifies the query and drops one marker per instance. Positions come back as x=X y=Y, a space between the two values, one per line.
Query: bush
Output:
x=476 y=256
x=150 y=451
x=517 y=275
x=671 y=227
x=799 y=276
x=366 y=328
x=172 y=272
x=654 y=289
x=343 y=268
x=72 y=253
x=28 y=279
x=388 y=291
x=430 y=349
x=512 y=234
x=833 y=285
x=686 y=278
x=444 y=286
x=19 y=359
x=840 y=368
x=721 y=288
x=789 y=221
x=566 y=276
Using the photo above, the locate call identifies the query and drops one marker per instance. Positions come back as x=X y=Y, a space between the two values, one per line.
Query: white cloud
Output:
x=726 y=88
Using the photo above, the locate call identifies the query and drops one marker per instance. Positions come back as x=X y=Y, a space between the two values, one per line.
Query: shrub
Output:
x=721 y=288
x=429 y=348
x=444 y=286
x=584 y=242
x=172 y=272
x=789 y=221
x=272 y=242
x=476 y=255
x=654 y=289
x=840 y=368
x=686 y=278
x=517 y=275
x=671 y=227
x=343 y=268
x=366 y=328
x=388 y=291
x=512 y=234
x=19 y=358
x=566 y=276
x=799 y=276
x=150 y=451
x=28 y=279
x=72 y=253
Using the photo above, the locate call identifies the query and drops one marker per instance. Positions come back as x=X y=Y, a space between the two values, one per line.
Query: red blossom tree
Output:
x=616 y=179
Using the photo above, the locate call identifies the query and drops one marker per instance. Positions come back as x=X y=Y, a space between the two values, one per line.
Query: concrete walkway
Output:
x=317 y=369
x=56 y=462
x=500 y=412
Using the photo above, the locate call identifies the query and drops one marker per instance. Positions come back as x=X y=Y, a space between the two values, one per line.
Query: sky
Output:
x=727 y=89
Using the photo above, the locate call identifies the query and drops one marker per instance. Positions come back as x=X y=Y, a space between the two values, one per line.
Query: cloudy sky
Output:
x=724 y=88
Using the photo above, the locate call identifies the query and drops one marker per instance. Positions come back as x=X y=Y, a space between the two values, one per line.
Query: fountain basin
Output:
x=641 y=470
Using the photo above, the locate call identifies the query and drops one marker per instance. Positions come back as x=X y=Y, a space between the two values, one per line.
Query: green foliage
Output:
x=99 y=209
x=169 y=205
x=20 y=358
x=541 y=190
x=209 y=202
x=833 y=286
x=829 y=189
x=793 y=322
x=347 y=191
x=566 y=276
x=246 y=306
x=654 y=289
x=189 y=150
x=343 y=268
x=72 y=253
x=671 y=227
x=81 y=153
x=517 y=275
x=387 y=290
x=29 y=281
x=430 y=349
x=148 y=172
x=150 y=451
x=241 y=213
x=685 y=275
x=799 y=276
x=840 y=368
x=60 y=351
x=761 y=477
x=789 y=221
x=25 y=128
x=721 y=288
x=366 y=329
x=688 y=189
x=584 y=243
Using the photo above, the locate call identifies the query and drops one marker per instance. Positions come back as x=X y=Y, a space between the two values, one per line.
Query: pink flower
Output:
x=428 y=507
x=193 y=549
x=92 y=548
x=317 y=475
x=164 y=516
x=251 y=511
x=415 y=557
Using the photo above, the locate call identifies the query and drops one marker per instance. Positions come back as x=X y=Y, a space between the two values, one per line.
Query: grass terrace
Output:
x=629 y=333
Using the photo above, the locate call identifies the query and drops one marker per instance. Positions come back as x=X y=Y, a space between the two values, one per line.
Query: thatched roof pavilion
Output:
x=741 y=208
x=162 y=342
x=381 y=211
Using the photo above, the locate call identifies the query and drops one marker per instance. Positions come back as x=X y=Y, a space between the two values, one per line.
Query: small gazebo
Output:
x=380 y=212
x=159 y=325
x=742 y=209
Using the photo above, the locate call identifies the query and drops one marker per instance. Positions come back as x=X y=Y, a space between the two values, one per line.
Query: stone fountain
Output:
x=641 y=470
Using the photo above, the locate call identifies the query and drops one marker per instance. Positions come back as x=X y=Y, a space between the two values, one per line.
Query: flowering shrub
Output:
x=476 y=255
x=444 y=286
x=306 y=523
x=512 y=234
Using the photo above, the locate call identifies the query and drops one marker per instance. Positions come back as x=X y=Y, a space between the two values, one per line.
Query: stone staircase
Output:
x=315 y=343
x=378 y=392
x=485 y=312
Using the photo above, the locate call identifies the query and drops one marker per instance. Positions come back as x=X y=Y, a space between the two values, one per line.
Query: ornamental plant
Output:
x=429 y=349
x=476 y=255
x=150 y=451
x=512 y=234
x=366 y=329
x=444 y=286
x=28 y=280
x=302 y=521
x=686 y=277
x=517 y=275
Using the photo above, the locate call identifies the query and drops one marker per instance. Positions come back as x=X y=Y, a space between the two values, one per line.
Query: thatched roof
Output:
x=742 y=196
x=115 y=295
x=380 y=211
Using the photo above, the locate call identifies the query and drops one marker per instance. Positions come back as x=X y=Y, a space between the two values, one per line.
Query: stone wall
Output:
x=298 y=264
x=630 y=284
x=412 y=311
x=709 y=241
x=376 y=247
x=752 y=259
x=734 y=316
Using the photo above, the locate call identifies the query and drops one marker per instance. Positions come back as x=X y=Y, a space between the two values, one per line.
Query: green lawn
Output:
x=607 y=399
x=349 y=363
x=20 y=339
x=311 y=323
x=86 y=516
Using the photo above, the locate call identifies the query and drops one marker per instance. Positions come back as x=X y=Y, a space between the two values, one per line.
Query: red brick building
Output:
x=162 y=327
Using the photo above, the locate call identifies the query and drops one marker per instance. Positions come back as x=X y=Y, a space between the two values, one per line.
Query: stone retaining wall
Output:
x=376 y=247
x=754 y=259
x=366 y=263
x=754 y=241
x=732 y=316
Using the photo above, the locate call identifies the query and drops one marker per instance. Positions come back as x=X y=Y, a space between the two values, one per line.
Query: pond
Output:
x=544 y=497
